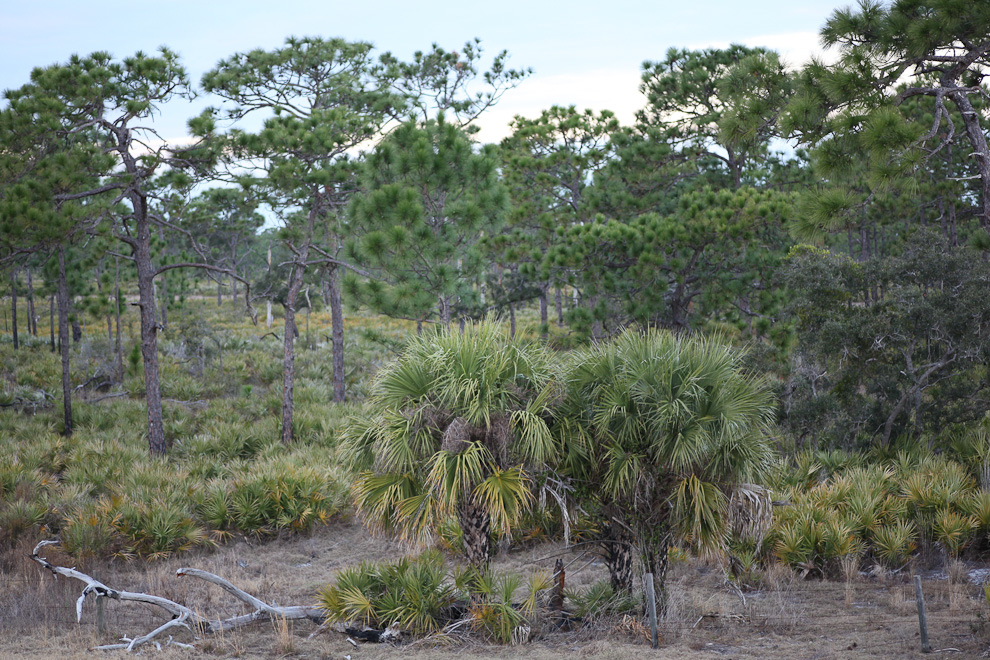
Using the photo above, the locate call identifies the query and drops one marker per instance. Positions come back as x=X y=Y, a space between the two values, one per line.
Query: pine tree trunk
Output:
x=337 y=332
x=512 y=321
x=289 y=353
x=63 y=340
x=13 y=304
x=219 y=291
x=141 y=249
x=162 y=302
x=558 y=298
x=978 y=141
x=288 y=365
x=118 y=351
x=51 y=322
x=32 y=318
x=476 y=530
x=76 y=326
x=444 y=305
x=544 y=312
x=233 y=280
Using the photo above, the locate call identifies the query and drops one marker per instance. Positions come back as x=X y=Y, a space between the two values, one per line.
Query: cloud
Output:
x=795 y=48
x=599 y=89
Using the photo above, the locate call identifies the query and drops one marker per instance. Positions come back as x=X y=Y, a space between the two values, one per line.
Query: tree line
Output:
x=692 y=218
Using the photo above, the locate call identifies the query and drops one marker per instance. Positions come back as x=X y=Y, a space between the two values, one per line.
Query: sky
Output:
x=583 y=53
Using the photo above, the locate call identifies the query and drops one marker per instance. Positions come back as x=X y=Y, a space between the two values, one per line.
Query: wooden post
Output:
x=651 y=608
x=922 y=618
x=101 y=621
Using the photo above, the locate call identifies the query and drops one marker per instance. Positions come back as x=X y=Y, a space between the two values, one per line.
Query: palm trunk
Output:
x=618 y=557
x=476 y=530
x=654 y=551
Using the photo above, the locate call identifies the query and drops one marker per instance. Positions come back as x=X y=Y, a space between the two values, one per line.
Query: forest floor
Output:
x=785 y=617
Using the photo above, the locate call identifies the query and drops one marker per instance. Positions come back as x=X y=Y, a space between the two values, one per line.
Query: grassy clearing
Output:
x=227 y=473
x=230 y=499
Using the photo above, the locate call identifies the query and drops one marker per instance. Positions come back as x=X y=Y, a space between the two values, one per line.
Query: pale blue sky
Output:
x=583 y=53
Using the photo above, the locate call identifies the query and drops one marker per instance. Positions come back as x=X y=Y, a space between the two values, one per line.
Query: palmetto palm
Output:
x=460 y=423
x=656 y=427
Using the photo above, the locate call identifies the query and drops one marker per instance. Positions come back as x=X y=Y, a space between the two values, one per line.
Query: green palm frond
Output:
x=505 y=494
x=377 y=497
x=699 y=510
x=536 y=442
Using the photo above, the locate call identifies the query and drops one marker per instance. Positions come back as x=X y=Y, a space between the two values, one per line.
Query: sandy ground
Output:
x=871 y=617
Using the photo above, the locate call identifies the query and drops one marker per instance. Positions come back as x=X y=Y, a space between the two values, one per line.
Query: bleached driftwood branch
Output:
x=182 y=616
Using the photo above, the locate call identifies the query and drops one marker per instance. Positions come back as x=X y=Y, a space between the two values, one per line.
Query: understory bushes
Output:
x=844 y=513
x=226 y=473
x=103 y=495
x=424 y=594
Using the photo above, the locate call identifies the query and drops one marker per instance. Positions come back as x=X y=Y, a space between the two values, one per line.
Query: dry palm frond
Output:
x=750 y=513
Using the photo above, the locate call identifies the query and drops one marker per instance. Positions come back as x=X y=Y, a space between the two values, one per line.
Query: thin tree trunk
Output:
x=161 y=300
x=13 y=304
x=233 y=280
x=32 y=318
x=77 y=332
x=51 y=322
x=289 y=354
x=219 y=291
x=289 y=364
x=444 y=304
x=544 y=312
x=325 y=290
x=337 y=332
x=978 y=140
x=141 y=248
x=512 y=320
x=63 y=339
x=118 y=350
x=107 y=316
x=558 y=298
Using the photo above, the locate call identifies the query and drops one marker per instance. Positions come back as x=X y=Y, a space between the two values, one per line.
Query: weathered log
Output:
x=182 y=616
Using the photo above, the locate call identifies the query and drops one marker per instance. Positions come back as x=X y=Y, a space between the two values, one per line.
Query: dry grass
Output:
x=785 y=618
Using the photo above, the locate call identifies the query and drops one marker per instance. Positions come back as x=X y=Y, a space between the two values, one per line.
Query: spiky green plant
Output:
x=416 y=593
x=600 y=600
x=655 y=428
x=952 y=530
x=461 y=422
x=893 y=544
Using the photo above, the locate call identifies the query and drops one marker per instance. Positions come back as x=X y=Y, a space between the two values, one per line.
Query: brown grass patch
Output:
x=785 y=618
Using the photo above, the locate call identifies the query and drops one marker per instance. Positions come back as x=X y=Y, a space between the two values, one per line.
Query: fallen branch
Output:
x=181 y=616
